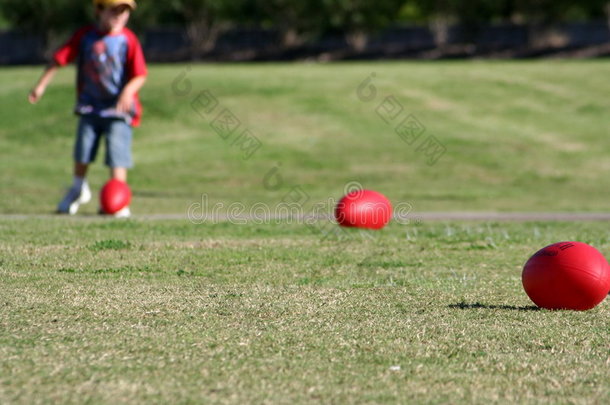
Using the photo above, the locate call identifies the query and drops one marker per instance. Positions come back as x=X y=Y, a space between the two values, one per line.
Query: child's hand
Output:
x=36 y=94
x=125 y=103
x=38 y=90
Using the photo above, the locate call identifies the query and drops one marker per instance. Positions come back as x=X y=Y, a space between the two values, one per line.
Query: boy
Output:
x=111 y=71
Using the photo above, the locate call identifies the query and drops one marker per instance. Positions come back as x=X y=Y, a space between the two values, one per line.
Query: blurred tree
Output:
x=52 y=19
x=542 y=15
x=295 y=20
x=357 y=19
x=148 y=14
x=204 y=20
x=470 y=14
x=545 y=12
x=411 y=12
x=298 y=21
x=4 y=22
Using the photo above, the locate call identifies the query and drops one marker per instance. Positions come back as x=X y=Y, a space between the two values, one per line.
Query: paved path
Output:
x=413 y=216
x=513 y=216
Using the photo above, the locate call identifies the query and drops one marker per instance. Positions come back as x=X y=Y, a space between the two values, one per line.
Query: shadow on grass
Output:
x=477 y=305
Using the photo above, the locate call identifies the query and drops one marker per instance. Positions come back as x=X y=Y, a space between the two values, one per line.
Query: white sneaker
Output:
x=73 y=200
x=123 y=213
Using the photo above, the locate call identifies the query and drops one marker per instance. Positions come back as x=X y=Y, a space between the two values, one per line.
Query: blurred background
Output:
x=250 y=30
x=526 y=133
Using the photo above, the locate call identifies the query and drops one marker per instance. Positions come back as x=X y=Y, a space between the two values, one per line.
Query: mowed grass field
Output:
x=518 y=136
x=170 y=312
x=152 y=310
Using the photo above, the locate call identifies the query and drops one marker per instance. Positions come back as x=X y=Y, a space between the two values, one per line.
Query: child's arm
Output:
x=62 y=56
x=38 y=90
x=125 y=101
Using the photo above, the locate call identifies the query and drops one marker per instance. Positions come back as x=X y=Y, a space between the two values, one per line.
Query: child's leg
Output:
x=80 y=169
x=118 y=148
x=119 y=173
x=85 y=148
x=80 y=174
x=118 y=154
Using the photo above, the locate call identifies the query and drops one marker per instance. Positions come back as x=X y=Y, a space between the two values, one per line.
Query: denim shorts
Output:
x=117 y=132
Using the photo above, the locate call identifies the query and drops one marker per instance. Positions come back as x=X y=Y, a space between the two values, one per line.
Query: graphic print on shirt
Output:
x=106 y=63
x=103 y=74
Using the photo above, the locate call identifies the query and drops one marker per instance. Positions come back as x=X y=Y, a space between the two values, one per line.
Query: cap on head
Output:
x=115 y=3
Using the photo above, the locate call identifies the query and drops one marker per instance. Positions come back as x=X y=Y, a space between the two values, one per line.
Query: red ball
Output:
x=364 y=209
x=567 y=275
x=115 y=196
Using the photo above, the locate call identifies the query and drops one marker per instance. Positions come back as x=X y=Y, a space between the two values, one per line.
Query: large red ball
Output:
x=115 y=196
x=567 y=275
x=363 y=209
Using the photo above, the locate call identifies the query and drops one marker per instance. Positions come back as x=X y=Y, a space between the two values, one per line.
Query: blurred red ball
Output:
x=363 y=209
x=567 y=275
x=115 y=196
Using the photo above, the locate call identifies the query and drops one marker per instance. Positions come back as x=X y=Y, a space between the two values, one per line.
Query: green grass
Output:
x=519 y=136
x=156 y=312
x=172 y=311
